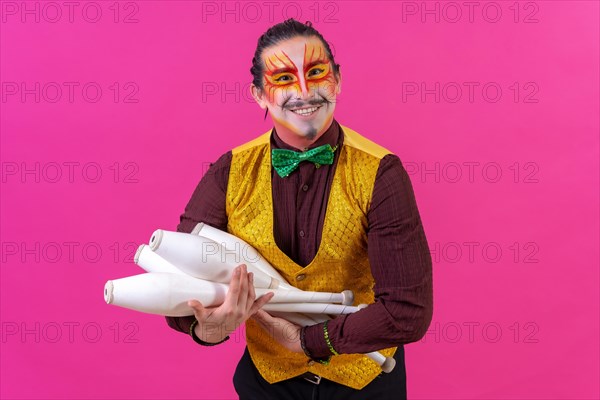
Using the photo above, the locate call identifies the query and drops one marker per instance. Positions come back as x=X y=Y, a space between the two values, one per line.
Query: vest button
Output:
x=311 y=363
x=305 y=188
x=301 y=233
x=300 y=277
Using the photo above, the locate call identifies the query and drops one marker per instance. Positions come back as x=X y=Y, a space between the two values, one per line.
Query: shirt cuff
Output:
x=314 y=342
x=181 y=324
x=200 y=341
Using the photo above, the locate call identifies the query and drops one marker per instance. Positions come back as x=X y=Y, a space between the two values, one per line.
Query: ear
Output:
x=258 y=96
x=338 y=89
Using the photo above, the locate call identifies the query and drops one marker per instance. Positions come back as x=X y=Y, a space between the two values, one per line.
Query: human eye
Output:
x=318 y=71
x=283 y=78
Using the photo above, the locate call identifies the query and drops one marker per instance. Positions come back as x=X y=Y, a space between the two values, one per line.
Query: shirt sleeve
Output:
x=207 y=205
x=401 y=267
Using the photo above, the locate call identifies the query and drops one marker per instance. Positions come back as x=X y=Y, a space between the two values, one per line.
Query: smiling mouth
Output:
x=306 y=110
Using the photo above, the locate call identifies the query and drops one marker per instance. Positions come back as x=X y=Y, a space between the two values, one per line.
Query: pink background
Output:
x=516 y=317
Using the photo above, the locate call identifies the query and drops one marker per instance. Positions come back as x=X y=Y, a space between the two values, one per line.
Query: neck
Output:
x=299 y=142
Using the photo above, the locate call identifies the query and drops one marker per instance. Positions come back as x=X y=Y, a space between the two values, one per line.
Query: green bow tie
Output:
x=285 y=161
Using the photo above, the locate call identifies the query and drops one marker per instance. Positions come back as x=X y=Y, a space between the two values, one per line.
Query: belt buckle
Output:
x=314 y=379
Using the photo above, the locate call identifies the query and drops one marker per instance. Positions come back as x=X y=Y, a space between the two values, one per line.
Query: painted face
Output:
x=300 y=88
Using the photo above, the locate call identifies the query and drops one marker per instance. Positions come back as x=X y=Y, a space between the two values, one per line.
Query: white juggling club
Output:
x=141 y=293
x=167 y=294
x=248 y=254
x=162 y=293
x=202 y=258
x=313 y=308
x=296 y=318
x=233 y=243
x=152 y=262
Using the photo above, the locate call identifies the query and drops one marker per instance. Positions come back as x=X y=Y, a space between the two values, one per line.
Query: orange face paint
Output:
x=282 y=74
x=299 y=75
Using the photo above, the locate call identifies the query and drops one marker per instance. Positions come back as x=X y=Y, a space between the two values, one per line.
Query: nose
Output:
x=303 y=88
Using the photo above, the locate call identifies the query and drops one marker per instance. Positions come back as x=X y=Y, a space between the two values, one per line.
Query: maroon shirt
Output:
x=397 y=247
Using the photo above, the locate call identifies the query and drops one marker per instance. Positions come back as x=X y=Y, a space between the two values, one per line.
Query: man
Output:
x=331 y=210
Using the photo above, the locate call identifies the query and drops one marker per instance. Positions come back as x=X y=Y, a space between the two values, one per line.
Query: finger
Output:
x=234 y=288
x=261 y=301
x=243 y=296
x=251 y=292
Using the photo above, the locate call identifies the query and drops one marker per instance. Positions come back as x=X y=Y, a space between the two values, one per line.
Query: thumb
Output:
x=198 y=308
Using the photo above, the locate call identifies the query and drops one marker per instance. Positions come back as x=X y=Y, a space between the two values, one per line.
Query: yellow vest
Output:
x=341 y=261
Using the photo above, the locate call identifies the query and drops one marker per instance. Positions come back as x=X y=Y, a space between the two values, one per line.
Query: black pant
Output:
x=250 y=385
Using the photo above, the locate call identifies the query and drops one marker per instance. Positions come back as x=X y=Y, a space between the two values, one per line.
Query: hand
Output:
x=215 y=323
x=282 y=330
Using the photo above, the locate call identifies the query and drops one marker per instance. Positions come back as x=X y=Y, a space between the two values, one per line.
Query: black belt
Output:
x=310 y=377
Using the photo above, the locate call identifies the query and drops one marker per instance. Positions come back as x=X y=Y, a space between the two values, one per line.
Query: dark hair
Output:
x=285 y=30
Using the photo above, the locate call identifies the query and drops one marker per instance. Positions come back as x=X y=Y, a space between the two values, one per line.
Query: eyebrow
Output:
x=288 y=69
x=280 y=70
x=320 y=61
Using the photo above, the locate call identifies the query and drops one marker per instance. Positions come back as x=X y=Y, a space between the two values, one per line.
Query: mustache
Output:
x=301 y=103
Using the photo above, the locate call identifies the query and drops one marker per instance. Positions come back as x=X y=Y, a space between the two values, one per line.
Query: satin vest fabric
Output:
x=341 y=261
